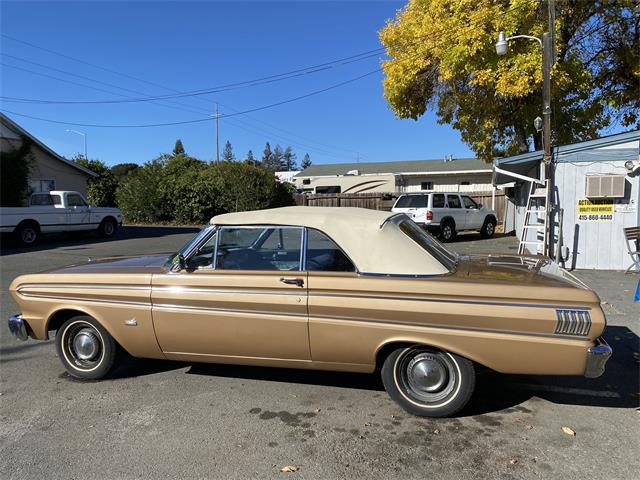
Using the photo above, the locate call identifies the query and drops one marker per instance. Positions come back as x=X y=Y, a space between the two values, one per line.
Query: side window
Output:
x=56 y=199
x=259 y=248
x=74 y=200
x=438 y=200
x=203 y=258
x=468 y=202
x=40 y=200
x=453 y=201
x=323 y=255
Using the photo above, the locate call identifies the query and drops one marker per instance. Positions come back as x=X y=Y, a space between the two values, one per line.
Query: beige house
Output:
x=50 y=171
x=449 y=175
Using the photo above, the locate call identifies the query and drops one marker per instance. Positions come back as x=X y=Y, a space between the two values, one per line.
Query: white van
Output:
x=444 y=214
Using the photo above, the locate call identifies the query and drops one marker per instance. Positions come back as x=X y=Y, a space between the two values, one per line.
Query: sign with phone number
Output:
x=595 y=210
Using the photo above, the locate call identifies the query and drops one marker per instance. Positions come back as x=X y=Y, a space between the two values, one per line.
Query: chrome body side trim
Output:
x=573 y=322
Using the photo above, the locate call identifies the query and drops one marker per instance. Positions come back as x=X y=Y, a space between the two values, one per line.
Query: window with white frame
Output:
x=426 y=186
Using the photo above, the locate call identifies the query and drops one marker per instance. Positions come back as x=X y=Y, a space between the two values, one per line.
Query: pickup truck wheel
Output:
x=428 y=382
x=447 y=231
x=85 y=348
x=27 y=233
x=488 y=229
x=108 y=227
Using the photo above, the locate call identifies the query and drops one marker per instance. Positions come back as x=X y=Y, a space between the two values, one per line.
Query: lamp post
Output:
x=85 y=140
x=546 y=44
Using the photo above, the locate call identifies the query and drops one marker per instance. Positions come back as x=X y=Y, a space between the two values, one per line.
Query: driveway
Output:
x=174 y=420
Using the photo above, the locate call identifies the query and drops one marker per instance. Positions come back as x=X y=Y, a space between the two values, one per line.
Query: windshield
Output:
x=436 y=249
x=412 y=201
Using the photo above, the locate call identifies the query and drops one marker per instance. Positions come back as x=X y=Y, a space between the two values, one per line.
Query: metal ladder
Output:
x=536 y=208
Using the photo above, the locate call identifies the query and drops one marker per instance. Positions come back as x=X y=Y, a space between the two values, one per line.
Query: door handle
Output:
x=292 y=281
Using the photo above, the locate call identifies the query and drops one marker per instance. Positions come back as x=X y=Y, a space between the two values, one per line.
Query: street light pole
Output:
x=547 y=44
x=85 y=140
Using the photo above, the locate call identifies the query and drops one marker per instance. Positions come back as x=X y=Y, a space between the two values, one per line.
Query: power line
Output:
x=208 y=118
x=184 y=122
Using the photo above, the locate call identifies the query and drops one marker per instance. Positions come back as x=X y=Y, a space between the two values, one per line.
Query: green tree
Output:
x=227 y=154
x=178 y=149
x=122 y=170
x=443 y=58
x=250 y=157
x=290 y=159
x=140 y=196
x=276 y=162
x=266 y=155
x=306 y=161
x=15 y=166
x=101 y=190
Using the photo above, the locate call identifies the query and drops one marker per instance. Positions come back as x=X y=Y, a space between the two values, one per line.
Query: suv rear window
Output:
x=412 y=201
x=438 y=200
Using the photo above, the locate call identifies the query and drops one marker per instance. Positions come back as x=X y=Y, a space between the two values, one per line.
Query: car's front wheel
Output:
x=488 y=228
x=86 y=349
x=428 y=382
x=108 y=228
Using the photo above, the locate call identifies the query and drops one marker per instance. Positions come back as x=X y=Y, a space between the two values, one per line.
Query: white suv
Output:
x=445 y=214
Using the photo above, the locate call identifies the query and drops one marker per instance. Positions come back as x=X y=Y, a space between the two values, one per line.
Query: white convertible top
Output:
x=373 y=243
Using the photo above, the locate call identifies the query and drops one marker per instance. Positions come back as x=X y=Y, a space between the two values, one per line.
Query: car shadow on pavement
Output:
x=495 y=392
x=81 y=239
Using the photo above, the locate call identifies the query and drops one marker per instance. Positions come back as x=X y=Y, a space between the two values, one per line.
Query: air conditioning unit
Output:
x=605 y=186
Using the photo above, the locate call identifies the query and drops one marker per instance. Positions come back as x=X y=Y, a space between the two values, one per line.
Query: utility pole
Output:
x=548 y=49
x=217 y=135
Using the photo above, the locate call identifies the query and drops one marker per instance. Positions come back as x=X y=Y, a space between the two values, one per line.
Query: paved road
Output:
x=174 y=420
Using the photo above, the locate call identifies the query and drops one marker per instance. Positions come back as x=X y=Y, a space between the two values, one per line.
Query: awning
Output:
x=521 y=168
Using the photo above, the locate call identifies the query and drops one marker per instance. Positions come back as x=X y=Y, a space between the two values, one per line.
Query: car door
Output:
x=455 y=210
x=242 y=298
x=78 y=213
x=474 y=216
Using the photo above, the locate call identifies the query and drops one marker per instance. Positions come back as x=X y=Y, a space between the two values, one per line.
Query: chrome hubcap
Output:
x=86 y=344
x=426 y=376
x=108 y=228
x=490 y=228
x=447 y=232
x=427 y=373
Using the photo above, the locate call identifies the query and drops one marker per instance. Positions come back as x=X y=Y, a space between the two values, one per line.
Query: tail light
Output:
x=429 y=215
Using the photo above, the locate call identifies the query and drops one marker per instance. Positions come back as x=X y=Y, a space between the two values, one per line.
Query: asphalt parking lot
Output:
x=172 y=420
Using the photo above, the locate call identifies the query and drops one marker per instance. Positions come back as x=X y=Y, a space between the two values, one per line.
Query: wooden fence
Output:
x=384 y=201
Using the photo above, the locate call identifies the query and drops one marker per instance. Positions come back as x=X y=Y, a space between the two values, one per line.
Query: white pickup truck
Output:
x=57 y=211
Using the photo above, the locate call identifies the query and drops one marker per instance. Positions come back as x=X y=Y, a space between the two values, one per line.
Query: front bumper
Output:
x=597 y=357
x=18 y=327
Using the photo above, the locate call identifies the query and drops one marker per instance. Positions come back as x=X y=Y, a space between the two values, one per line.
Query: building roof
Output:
x=400 y=167
x=10 y=124
x=371 y=238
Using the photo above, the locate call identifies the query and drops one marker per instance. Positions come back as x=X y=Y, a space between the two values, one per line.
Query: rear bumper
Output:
x=18 y=327
x=597 y=357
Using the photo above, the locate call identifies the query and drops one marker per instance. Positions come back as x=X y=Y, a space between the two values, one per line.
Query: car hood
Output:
x=514 y=269
x=119 y=265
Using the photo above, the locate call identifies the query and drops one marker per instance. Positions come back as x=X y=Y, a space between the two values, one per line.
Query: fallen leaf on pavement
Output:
x=513 y=461
x=436 y=431
x=569 y=431
x=289 y=469
x=528 y=427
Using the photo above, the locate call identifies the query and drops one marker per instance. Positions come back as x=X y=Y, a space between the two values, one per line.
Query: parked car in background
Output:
x=445 y=214
x=57 y=211
x=342 y=289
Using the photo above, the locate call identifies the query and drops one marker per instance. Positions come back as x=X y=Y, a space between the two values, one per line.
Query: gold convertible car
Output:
x=322 y=288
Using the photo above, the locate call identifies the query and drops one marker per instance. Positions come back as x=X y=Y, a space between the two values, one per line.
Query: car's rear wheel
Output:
x=86 y=349
x=428 y=382
x=447 y=231
x=27 y=233
x=108 y=228
x=488 y=228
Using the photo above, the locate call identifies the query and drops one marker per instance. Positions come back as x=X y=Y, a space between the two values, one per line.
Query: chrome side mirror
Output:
x=178 y=263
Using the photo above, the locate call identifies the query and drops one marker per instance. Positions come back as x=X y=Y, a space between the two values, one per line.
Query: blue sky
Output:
x=188 y=46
